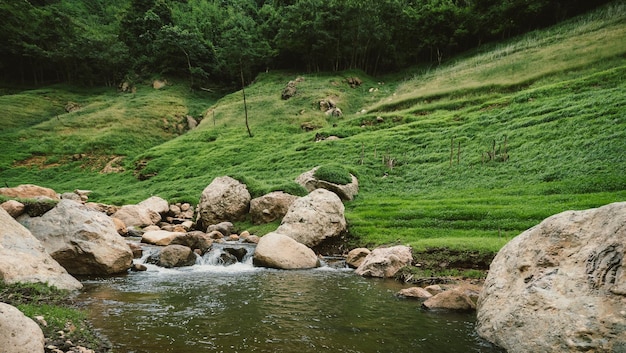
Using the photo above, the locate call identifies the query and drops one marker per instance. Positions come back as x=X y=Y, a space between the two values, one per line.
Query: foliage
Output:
x=105 y=42
x=333 y=173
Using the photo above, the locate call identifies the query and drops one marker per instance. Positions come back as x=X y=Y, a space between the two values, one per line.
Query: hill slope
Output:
x=465 y=155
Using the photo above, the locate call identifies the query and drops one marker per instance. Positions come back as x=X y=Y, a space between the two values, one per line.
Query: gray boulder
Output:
x=176 y=256
x=224 y=228
x=225 y=199
x=71 y=196
x=385 y=262
x=83 y=241
x=24 y=260
x=276 y=250
x=345 y=192
x=194 y=240
x=18 y=333
x=160 y=237
x=314 y=217
x=560 y=286
x=137 y=216
x=155 y=204
x=270 y=207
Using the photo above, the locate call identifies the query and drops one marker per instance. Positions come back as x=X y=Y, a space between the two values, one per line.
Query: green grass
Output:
x=465 y=156
x=62 y=320
x=577 y=43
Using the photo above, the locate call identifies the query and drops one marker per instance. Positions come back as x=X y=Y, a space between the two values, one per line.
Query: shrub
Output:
x=333 y=173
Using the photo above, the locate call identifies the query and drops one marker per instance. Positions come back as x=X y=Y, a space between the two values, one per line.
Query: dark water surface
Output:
x=240 y=308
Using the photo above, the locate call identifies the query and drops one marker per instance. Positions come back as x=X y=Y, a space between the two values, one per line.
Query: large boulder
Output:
x=195 y=240
x=137 y=216
x=176 y=256
x=29 y=191
x=560 y=286
x=225 y=199
x=277 y=250
x=385 y=262
x=18 y=333
x=155 y=204
x=345 y=192
x=83 y=241
x=270 y=207
x=24 y=260
x=160 y=237
x=313 y=218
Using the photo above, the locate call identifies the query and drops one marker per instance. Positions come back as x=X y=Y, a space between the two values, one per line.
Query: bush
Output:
x=333 y=173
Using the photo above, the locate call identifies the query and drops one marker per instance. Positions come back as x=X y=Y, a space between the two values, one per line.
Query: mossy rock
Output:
x=333 y=173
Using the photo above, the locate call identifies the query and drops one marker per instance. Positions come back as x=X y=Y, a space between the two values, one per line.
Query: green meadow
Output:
x=464 y=155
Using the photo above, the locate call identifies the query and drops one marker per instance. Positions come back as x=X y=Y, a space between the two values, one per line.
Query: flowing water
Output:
x=240 y=308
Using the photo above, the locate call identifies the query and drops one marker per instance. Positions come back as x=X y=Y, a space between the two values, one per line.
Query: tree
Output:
x=172 y=41
x=139 y=29
x=241 y=46
x=242 y=49
x=304 y=34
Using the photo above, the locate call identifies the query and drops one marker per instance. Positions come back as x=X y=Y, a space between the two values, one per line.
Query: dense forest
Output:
x=102 y=42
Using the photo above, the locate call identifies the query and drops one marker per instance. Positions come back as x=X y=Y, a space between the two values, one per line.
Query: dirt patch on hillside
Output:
x=40 y=162
x=91 y=162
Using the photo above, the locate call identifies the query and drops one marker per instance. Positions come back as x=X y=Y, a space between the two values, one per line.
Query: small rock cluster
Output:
x=290 y=90
x=385 y=262
x=354 y=82
x=329 y=107
x=459 y=297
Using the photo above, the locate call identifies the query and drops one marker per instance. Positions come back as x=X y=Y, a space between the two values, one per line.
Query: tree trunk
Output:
x=243 y=91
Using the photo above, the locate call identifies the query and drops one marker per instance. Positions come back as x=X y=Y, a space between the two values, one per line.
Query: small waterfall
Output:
x=334 y=262
x=227 y=256
x=234 y=256
x=228 y=253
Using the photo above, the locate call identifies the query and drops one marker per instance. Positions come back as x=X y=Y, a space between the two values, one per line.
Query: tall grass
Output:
x=579 y=42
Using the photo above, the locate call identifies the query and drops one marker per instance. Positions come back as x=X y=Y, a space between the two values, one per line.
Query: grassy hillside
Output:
x=464 y=155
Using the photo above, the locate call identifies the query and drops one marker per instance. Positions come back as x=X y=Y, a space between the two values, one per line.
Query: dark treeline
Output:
x=99 y=42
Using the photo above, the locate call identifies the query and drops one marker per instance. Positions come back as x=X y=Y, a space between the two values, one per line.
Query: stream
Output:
x=239 y=308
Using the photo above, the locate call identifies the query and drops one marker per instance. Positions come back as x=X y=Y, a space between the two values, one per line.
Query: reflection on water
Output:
x=244 y=309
